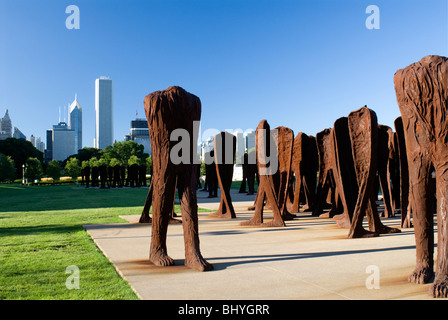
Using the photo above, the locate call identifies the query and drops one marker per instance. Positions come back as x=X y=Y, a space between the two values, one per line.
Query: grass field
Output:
x=41 y=234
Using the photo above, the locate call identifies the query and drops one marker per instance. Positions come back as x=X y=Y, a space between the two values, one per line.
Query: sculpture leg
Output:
x=404 y=174
x=250 y=183
x=225 y=193
x=385 y=189
x=145 y=218
x=187 y=194
x=164 y=179
x=258 y=206
x=440 y=287
x=363 y=135
x=419 y=173
x=375 y=223
x=295 y=207
x=271 y=199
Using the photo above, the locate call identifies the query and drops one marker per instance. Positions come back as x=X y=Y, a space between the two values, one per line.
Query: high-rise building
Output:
x=18 y=134
x=240 y=146
x=250 y=141
x=104 y=113
x=62 y=141
x=206 y=146
x=37 y=143
x=140 y=134
x=48 y=153
x=5 y=126
x=75 y=122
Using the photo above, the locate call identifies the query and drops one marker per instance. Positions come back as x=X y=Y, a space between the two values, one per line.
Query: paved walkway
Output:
x=310 y=258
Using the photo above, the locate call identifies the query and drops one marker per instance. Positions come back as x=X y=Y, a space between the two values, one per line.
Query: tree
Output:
x=54 y=169
x=93 y=162
x=33 y=169
x=7 y=168
x=114 y=162
x=19 y=150
x=72 y=168
x=133 y=160
x=103 y=162
x=122 y=151
x=84 y=154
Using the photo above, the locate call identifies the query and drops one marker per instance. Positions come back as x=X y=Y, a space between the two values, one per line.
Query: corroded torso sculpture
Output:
x=166 y=111
x=224 y=145
x=274 y=156
x=304 y=167
x=422 y=96
x=363 y=128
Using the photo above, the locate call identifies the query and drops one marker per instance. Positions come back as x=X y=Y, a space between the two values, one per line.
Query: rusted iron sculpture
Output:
x=224 y=145
x=166 y=111
x=385 y=140
x=304 y=167
x=404 y=174
x=363 y=127
x=274 y=155
x=422 y=95
x=326 y=185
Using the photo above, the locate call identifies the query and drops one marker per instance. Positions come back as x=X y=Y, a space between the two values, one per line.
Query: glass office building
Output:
x=103 y=113
x=75 y=122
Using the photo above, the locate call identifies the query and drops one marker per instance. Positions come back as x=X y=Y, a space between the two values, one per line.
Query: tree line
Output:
x=14 y=153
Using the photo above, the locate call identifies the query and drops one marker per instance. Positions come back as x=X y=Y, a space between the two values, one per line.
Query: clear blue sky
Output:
x=300 y=64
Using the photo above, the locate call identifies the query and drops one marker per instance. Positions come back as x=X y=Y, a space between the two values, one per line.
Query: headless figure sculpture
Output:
x=166 y=111
x=422 y=96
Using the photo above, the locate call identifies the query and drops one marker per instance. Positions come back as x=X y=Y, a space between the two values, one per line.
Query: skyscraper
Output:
x=18 y=134
x=62 y=141
x=48 y=153
x=250 y=140
x=104 y=113
x=75 y=122
x=140 y=134
x=5 y=126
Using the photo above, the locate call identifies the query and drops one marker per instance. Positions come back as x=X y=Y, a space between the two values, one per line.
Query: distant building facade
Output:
x=63 y=141
x=250 y=141
x=48 y=153
x=139 y=133
x=103 y=113
x=18 y=134
x=37 y=143
x=5 y=127
x=75 y=122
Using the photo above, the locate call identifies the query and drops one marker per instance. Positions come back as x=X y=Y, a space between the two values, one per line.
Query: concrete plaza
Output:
x=310 y=258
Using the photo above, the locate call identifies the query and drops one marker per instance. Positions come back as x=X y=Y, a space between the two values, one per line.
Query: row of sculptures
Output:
x=114 y=176
x=352 y=159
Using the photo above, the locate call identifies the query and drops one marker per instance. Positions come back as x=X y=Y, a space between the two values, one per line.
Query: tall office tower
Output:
x=140 y=134
x=48 y=153
x=250 y=140
x=62 y=141
x=240 y=146
x=75 y=121
x=104 y=113
x=6 y=126
x=18 y=134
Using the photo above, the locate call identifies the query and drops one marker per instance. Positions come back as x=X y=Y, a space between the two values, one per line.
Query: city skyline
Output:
x=300 y=64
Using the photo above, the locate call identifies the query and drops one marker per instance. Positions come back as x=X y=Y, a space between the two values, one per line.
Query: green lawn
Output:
x=41 y=234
